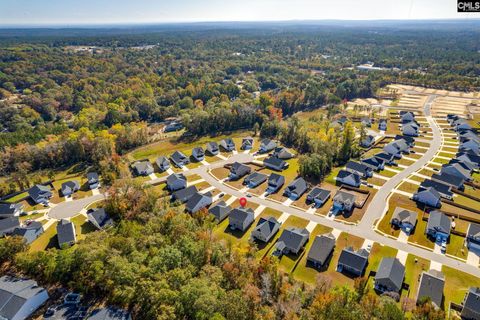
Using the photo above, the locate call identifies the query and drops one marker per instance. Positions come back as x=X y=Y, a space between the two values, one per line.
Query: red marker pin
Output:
x=243 y=202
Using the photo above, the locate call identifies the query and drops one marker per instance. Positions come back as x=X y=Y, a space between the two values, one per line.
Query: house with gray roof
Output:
x=40 y=193
x=99 y=218
x=10 y=210
x=438 y=226
x=407 y=116
x=227 y=144
x=29 y=232
x=321 y=250
x=255 y=179
x=20 y=298
x=367 y=141
x=465 y=164
x=296 y=189
x=428 y=196
x=179 y=159
x=241 y=218
x=238 y=170
x=183 y=195
x=471 y=304
x=470 y=145
x=387 y=158
x=291 y=241
x=473 y=237
x=318 y=196
x=198 y=154
x=404 y=219
x=348 y=178
x=410 y=129
x=176 y=181
x=470 y=158
x=267 y=145
x=353 y=262
x=359 y=168
x=220 y=211
x=143 y=168
x=93 y=180
x=162 y=163
x=282 y=153
x=382 y=125
x=389 y=276
x=109 y=313
x=449 y=180
x=366 y=121
x=275 y=183
x=396 y=148
x=66 y=233
x=431 y=286
x=456 y=169
x=410 y=141
x=247 y=143
x=374 y=163
x=343 y=201
x=7 y=225
x=265 y=229
x=275 y=163
x=444 y=190
x=212 y=148
x=198 y=202
x=70 y=187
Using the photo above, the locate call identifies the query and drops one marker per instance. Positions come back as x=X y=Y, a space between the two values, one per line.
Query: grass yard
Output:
x=331 y=177
x=405 y=162
x=457 y=284
x=465 y=201
x=440 y=160
x=414 y=266
x=17 y=198
x=456 y=246
x=220 y=173
x=418 y=236
x=408 y=187
x=396 y=200
x=82 y=226
x=47 y=240
x=387 y=173
x=377 y=253
x=32 y=216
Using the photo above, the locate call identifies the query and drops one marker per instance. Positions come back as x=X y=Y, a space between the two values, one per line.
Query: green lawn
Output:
x=17 y=198
x=457 y=284
x=47 y=240
x=408 y=187
x=32 y=216
x=413 y=269
x=470 y=203
x=418 y=236
x=377 y=253
x=387 y=173
x=82 y=226
x=455 y=246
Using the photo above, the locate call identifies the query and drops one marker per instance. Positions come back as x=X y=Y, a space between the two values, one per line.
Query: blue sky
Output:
x=71 y=12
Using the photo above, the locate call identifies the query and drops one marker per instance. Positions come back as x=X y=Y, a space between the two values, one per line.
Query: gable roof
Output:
x=274 y=162
x=100 y=217
x=65 y=232
x=256 y=178
x=471 y=304
x=373 y=162
x=391 y=270
x=185 y=194
x=174 y=177
x=220 y=210
x=368 y=140
x=275 y=178
x=319 y=193
x=298 y=184
x=239 y=167
x=439 y=221
x=212 y=145
x=38 y=189
x=162 y=161
x=429 y=191
x=70 y=186
x=196 y=198
x=14 y=293
x=197 y=151
x=384 y=156
x=431 y=285
x=440 y=187
x=283 y=153
x=359 y=167
x=404 y=215
x=240 y=214
x=8 y=224
x=354 y=259
x=344 y=197
x=473 y=231
x=456 y=169
x=342 y=174
x=321 y=248
x=92 y=177
x=142 y=166
x=34 y=225
x=10 y=208
x=178 y=157
x=448 y=179
x=266 y=226
x=293 y=238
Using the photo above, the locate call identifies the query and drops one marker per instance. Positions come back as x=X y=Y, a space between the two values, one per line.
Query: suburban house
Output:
x=282 y=153
x=456 y=169
x=353 y=262
x=291 y=241
x=30 y=231
x=93 y=180
x=241 y=218
x=255 y=179
x=227 y=144
x=247 y=143
x=343 y=201
x=462 y=125
x=198 y=202
x=318 y=196
x=404 y=219
x=389 y=276
x=470 y=145
x=275 y=163
x=220 y=211
x=471 y=304
x=359 y=168
x=407 y=116
x=470 y=158
x=174 y=126
x=348 y=178
x=396 y=148
x=296 y=189
x=179 y=159
x=142 y=168
x=444 y=190
x=387 y=158
x=473 y=237
x=275 y=183
x=109 y=313
x=267 y=145
x=465 y=164
x=66 y=233
x=238 y=170
x=99 y=218
x=410 y=129
x=431 y=286
x=212 y=148
x=374 y=163
x=367 y=122
x=382 y=125
x=367 y=141
x=449 y=180
x=410 y=141
x=162 y=163
x=467 y=135
x=198 y=154
x=70 y=187
x=40 y=193
x=265 y=229
x=20 y=298
x=428 y=196
x=321 y=250
x=438 y=226
x=10 y=210
x=176 y=181
x=7 y=225
x=183 y=195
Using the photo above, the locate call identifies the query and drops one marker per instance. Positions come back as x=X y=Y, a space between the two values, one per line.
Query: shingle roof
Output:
x=14 y=293
x=109 y=313
x=355 y=259
x=70 y=186
x=184 y=195
x=344 y=173
x=298 y=184
x=65 y=232
x=448 y=179
x=34 y=225
x=178 y=157
x=274 y=162
x=431 y=285
x=359 y=167
x=319 y=193
x=9 y=208
x=256 y=178
x=240 y=214
x=220 y=210
x=405 y=215
x=92 y=177
x=196 y=198
x=440 y=187
x=101 y=217
x=321 y=248
x=474 y=231
x=174 y=177
x=274 y=178
x=392 y=270
x=266 y=226
x=293 y=238
x=7 y=224
x=344 y=197
x=471 y=304
x=439 y=221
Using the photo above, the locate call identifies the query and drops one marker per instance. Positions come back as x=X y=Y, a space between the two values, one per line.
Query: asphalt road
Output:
x=68 y=209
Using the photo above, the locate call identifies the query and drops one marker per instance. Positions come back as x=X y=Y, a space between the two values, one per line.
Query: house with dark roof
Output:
x=247 y=143
x=407 y=116
x=470 y=145
x=367 y=141
x=428 y=196
x=382 y=125
x=438 y=226
x=198 y=154
x=212 y=148
x=458 y=170
x=109 y=313
x=241 y=218
x=198 y=202
x=444 y=190
x=410 y=129
x=265 y=229
x=343 y=201
x=254 y=179
x=465 y=164
x=387 y=158
x=267 y=145
x=162 y=163
x=362 y=170
x=462 y=126
x=66 y=233
x=389 y=276
x=321 y=250
x=470 y=158
x=176 y=181
x=275 y=163
x=183 y=195
x=40 y=193
x=396 y=148
x=348 y=178
x=142 y=168
x=431 y=286
x=296 y=189
x=29 y=232
x=70 y=187
x=376 y=164
x=10 y=210
x=353 y=262
x=220 y=211
x=366 y=121
x=318 y=196
x=179 y=159
x=473 y=237
x=410 y=141
x=93 y=180
x=404 y=219
x=99 y=218
x=291 y=241
x=282 y=153
x=20 y=298
x=471 y=304
x=275 y=183
x=7 y=225
x=173 y=126
x=238 y=170
x=227 y=144
x=449 y=180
